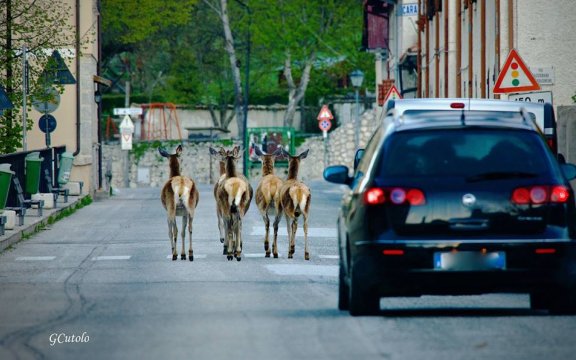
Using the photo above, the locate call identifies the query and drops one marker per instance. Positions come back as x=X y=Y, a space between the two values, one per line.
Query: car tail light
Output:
x=545 y=251
x=393 y=252
x=540 y=194
x=394 y=196
x=374 y=196
x=560 y=194
x=552 y=145
x=457 y=105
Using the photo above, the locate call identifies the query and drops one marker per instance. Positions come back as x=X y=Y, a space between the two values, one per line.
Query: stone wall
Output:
x=151 y=170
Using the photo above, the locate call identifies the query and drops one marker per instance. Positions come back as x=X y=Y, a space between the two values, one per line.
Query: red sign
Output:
x=515 y=76
x=325 y=114
x=392 y=94
x=324 y=125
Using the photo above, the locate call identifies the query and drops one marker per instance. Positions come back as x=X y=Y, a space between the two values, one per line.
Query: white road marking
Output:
x=329 y=257
x=312 y=232
x=118 y=257
x=259 y=255
x=35 y=258
x=297 y=269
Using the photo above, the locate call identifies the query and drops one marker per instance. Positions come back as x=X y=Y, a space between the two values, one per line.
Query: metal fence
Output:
x=51 y=161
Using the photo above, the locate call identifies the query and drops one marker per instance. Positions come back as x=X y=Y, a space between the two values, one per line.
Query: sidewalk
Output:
x=33 y=222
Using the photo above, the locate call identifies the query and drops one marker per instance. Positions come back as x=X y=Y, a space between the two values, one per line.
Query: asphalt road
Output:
x=100 y=284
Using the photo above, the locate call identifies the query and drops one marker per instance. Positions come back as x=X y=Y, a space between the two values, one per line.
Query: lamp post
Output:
x=357 y=77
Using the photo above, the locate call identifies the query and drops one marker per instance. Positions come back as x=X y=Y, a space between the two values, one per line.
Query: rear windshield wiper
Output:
x=498 y=175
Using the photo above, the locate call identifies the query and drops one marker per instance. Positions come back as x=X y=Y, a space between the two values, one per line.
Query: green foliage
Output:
x=40 y=25
x=135 y=21
x=185 y=62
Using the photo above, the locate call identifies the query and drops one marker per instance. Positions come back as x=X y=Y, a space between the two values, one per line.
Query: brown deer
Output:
x=179 y=197
x=222 y=167
x=268 y=195
x=233 y=197
x=294 y=201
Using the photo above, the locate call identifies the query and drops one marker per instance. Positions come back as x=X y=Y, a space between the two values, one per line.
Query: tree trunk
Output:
x=296 y=92
x=229 y=40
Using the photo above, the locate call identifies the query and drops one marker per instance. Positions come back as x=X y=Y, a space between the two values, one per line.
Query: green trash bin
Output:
x=5 y=180
x=66 y=160
x=33 y=166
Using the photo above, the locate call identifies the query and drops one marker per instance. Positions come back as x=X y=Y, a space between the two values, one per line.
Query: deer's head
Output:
x=173 y=157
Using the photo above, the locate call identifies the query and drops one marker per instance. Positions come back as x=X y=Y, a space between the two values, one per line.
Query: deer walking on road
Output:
x=179 y=197
x=294 y=202
x=233 y=197
x=268 y=195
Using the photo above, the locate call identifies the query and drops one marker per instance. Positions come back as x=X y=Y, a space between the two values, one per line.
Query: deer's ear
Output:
x=236 y=151
x=278 y=152
x=179 y=150
x=213 y=151
x=304 y=154
x=257 y=150
x=163 y=152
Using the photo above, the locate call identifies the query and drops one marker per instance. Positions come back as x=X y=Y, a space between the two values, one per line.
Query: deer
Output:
x=268 y=195
x=233 y=197
x=222 y=167
x=294 y=202
x=179 y=197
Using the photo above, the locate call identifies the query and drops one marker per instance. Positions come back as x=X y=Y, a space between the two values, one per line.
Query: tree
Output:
x=39 y=25
x=301 y=34
x=221 y=10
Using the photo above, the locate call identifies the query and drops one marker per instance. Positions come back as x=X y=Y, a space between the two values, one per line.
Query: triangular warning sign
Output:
x=515 y=76
x=325 y=114
x=56 y=71
x=393 y=94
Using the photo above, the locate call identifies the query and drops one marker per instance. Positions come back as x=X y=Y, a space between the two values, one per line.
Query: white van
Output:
x=542 y=113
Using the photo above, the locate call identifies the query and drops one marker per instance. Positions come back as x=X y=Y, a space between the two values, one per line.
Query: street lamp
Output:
x=357 y=77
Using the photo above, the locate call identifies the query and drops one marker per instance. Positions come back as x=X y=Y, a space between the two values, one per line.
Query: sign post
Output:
x=325 y=124
x=126 y=130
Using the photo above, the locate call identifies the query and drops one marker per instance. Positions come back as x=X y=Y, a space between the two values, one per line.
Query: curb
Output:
x=33 y=223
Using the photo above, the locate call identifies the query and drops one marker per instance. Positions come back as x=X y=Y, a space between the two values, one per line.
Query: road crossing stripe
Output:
x=35 y=258
x=312 y=232
x=297 y=269
x=329 y=257
x=119 y=257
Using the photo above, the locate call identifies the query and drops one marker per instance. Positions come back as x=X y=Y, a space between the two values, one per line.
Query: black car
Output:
x=454 y=203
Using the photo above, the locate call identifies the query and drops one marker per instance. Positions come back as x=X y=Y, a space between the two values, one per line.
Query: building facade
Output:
x=457 y=48
x=77 y=112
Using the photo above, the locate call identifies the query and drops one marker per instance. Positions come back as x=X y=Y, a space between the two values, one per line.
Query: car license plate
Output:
x=469 y=261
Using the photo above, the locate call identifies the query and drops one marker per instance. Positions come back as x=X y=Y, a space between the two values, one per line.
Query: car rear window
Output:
x=463 y=152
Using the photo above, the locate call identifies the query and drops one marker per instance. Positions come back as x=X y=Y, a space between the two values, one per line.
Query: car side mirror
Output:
x=357 y=157
x=569 y=171
x=337 y=174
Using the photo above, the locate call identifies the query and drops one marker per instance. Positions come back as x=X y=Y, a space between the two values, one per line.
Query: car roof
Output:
x=468 y=103
x=460 y=119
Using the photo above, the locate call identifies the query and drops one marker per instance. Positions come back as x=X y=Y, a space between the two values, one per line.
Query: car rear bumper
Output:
x=410 y=270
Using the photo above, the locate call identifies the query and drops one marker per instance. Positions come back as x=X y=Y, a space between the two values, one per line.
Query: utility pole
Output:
x=125 y=157
x=24 y=95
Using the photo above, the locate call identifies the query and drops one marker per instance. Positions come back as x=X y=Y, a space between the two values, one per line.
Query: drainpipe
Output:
x=459 y=49
x=497 y=43
x=99 y=109
x=77 y=78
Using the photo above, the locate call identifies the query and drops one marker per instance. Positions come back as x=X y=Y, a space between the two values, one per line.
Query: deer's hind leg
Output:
x=173 y=235
x=183 y=236
x=190 y=251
